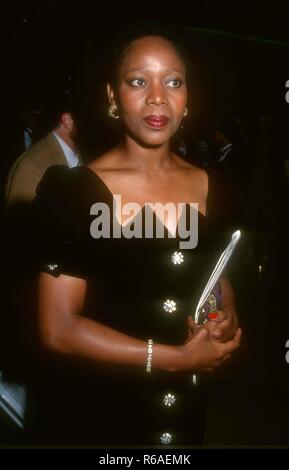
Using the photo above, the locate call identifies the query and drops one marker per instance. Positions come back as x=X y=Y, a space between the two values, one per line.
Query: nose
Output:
x=156 y=94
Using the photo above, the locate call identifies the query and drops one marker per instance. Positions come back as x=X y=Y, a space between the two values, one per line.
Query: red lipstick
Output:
x=157 y=122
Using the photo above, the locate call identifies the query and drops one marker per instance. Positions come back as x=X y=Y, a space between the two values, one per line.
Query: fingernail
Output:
x=212 y=316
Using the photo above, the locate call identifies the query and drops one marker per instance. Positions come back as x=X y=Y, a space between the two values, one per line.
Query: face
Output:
x=68 y=124
x=152 y=91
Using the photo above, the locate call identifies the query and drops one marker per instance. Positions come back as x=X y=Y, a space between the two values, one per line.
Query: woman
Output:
x=115 y=311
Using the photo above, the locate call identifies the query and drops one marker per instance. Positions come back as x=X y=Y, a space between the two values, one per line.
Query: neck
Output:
x=145 y=159
x=66 y=138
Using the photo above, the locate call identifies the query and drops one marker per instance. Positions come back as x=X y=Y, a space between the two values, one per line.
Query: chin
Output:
x=153 y=139
x=153 y=143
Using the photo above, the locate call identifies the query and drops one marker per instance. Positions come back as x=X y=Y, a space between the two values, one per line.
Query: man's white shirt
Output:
x=71 y=156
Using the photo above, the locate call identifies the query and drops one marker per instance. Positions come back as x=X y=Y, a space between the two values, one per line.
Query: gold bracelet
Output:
x=150 y=355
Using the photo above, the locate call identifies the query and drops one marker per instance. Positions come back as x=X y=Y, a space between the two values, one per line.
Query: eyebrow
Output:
x=146 y=70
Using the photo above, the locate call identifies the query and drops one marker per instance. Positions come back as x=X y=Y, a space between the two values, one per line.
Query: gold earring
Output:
x=112 y=111
x=186 y=111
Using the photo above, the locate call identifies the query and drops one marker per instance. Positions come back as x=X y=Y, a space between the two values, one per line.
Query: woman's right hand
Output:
x=203 y=353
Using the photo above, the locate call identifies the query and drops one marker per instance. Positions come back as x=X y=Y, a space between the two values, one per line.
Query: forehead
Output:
x=152 y=52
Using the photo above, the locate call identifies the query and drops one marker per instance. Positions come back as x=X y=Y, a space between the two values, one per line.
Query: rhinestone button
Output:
x=166 y=438
x=170 y=306
x=169 y=399
x=177 y=257
x=52 y=267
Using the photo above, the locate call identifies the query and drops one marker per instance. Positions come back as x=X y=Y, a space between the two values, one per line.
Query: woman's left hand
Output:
x=224 y=324
x=221 y=327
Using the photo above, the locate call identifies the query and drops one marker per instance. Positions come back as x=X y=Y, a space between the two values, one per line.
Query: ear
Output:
x=110 y=94
x=67 y=121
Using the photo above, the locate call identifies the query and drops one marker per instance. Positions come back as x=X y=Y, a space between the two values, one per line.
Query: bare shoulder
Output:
x=194 y=173
x=105 y=162
x=108 y=167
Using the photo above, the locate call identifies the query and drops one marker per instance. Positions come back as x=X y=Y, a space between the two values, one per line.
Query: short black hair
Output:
x=133 y=31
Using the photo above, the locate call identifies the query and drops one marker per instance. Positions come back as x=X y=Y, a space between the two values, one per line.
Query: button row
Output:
x=170 y=306
x=177 y=257
x=169 y=400
x=166 y=438
x=52 y=267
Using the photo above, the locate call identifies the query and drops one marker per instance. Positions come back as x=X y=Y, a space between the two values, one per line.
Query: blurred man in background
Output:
x=58 y=147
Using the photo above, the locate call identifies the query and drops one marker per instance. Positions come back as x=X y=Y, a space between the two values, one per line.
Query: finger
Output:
x=212 y=367
x=212 y=316
x=232 y=317
x=189 y=335
x=210 y=326
x=218 y=316
x=228 y=315
x=222 y=329
x=191 y=323
x=233 y=344
x=217 y=363
x=226 y=357
x=222 y=315
x=236 y=320
x=201 y=333
x=226 y=329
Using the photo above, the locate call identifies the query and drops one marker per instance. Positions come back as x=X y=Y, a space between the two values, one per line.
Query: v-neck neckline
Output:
x=140 y=212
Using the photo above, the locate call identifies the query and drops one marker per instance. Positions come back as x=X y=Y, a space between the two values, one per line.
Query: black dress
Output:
x=143 y=287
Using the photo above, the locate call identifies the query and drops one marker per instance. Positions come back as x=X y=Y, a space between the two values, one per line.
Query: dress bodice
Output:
x=143 y=287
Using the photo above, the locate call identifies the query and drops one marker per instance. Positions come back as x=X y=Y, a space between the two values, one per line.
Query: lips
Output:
x=156 y=122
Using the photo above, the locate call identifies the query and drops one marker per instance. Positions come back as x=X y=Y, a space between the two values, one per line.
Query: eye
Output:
x=137 y=82
x=175 y=83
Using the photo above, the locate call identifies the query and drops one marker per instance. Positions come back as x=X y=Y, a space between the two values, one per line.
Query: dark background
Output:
x=243 y=49
x=242 y=68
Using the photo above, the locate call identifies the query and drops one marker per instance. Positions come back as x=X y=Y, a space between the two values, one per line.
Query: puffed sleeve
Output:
x=56 y=212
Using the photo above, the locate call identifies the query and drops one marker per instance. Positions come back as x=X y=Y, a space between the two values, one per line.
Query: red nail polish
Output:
x=212 y=316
